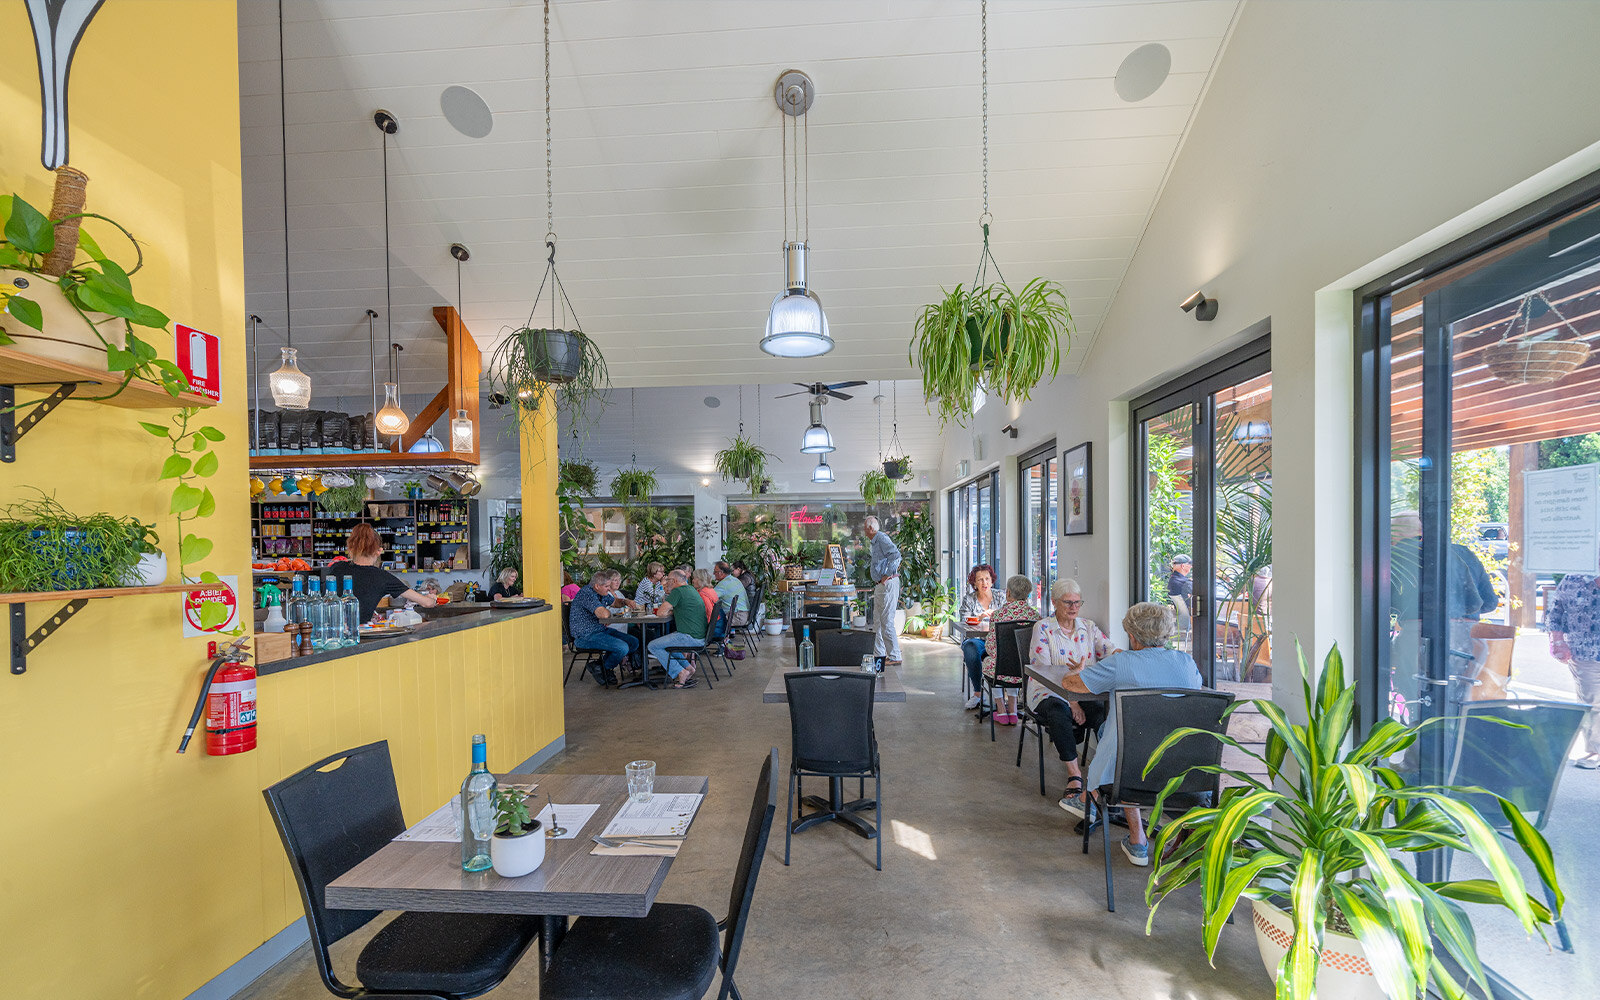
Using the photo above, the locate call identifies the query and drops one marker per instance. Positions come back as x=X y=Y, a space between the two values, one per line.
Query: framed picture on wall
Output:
x=497 y=531
x=1077 y=491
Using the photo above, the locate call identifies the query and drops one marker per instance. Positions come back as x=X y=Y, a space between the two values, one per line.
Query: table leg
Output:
x=555 y=928
x=835 y=808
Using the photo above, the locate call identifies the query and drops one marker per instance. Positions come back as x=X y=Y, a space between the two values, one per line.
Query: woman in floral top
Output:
x=1061 y=643
x=1015 y=609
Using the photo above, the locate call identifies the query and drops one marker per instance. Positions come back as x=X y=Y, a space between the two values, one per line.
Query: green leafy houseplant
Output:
x=343 y=499
x=96 y=285
x=877 y=487
x=919 y=557
x=572 y=521
x=758 y=543
x=530 y=360
x=743 y=459
x=898 y=469
x=511 y=816
x=633 y=486
x=1338 y=814
x=580 y=477
x=990 y=336
x=44 y=546
x=508 y=554
x=190 y=461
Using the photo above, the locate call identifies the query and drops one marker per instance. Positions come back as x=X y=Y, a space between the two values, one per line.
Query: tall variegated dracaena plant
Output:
x=1339 y=812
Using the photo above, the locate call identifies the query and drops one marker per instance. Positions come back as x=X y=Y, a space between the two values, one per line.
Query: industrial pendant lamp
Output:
x=461 y=426
x=823 y=473
x=391 y=419
x=796 y=324
x=816 y=440
x=290 y=387
x=427 y=444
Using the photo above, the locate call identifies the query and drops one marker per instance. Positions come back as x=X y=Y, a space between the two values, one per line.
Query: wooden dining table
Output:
x=644 y=624
x=1054 y=687
x=427 y=875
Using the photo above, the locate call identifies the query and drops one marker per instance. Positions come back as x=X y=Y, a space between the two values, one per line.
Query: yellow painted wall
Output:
x=125 y=869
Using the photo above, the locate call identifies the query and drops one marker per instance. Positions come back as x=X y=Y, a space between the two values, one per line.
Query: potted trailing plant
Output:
x=743 y=459
x=517 y=846
x=530 y=359
x=991 y=336
x=876 y=487
x=580 y=477
x=83 y=312
x=151 y=570
x=898 y=469
x=44 y=546
x=1339 y=814
x=633 y=486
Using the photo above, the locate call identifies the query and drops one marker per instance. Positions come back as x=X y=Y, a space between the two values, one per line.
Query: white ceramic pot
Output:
x=774 y=626
x=65 y=337
x=514 y=857
x=152 y=570
x=859 y=621
x=1344 y=975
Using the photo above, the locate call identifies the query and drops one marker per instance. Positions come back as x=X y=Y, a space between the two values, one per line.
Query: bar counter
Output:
x=449 y=619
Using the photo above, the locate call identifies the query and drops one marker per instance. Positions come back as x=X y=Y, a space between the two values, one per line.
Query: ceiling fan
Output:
x=819 y=389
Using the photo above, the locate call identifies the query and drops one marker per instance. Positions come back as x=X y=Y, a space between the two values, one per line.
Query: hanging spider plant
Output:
x=532 y=359
x=633 y=486
x=580 y=477
x=898 y=469
x=877 y=487
x=743 y=459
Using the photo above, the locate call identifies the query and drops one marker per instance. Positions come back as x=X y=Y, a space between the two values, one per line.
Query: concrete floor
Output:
x=984 y=891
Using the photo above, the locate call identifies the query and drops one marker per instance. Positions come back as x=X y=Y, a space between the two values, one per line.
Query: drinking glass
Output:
x=641 y=780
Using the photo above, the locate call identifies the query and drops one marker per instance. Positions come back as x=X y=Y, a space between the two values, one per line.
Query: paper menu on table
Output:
x=572 y=817
x=443 y=825
x=662 y=816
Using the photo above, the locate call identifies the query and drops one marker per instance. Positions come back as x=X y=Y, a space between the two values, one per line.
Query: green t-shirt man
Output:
x=688 y=611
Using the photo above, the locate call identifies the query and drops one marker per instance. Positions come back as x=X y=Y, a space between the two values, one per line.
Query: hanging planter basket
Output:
x=633 y=486
x=1534 y=362
x=898 y=469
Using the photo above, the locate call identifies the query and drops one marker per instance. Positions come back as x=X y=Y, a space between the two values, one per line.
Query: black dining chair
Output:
x=1521 y=762
x=1027 y=722
x=1006 y=663
x=750 y=631
x=844 y=647
x=1143 y=718
x=673 y=953
x=831 y=736
x=798 y=627
x=338 y=812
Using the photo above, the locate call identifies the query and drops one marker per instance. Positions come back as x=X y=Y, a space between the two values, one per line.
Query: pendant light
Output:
x=816 y=440
x=391 y=419
x=290 y=387
x=427 y=444
x=823 y=473
x=796 y=325
x=461 y=426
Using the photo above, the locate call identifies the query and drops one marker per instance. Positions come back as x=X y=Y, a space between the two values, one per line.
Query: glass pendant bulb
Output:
x=823 y=473
x=291 y=387
x=392 y=420
x=461 y=432
x=816 y=440
x=796 y=325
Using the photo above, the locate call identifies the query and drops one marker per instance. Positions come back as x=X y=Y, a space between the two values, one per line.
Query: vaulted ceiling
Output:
x=667 y=164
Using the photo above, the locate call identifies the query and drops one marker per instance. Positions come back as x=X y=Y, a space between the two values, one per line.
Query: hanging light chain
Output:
x=985 y=44
x=805 y=117
x=283 y=124
x=549 y=188
x=741 y=410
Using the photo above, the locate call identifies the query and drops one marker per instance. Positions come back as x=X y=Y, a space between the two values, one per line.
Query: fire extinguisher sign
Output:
x=212 y=609
x=200 y=359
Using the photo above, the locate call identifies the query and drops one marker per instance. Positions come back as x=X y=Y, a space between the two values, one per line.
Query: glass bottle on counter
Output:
x=477 y=810
x=350 y=613
x=299 y=611
x=314 y=613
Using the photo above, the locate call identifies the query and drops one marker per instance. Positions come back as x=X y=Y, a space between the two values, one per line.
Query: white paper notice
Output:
x=573 y=818
x=662 y=816
x=1561 y=519
x=443 y=825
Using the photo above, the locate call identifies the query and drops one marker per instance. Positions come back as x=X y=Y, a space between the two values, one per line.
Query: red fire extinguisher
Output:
x=228 y=702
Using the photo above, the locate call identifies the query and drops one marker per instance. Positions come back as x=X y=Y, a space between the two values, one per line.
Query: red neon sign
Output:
x=801 y=517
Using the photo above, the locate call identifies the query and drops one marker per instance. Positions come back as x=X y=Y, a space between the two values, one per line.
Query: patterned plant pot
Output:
x=1344 y=974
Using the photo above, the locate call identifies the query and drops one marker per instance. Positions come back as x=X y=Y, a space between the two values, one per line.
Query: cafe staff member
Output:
x=371 y=582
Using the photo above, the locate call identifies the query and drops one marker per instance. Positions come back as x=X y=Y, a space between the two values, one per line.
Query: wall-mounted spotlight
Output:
x=1009 y=430
x=1204 y=309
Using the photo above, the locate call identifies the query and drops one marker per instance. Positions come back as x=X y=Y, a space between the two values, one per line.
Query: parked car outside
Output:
x=1496 y=537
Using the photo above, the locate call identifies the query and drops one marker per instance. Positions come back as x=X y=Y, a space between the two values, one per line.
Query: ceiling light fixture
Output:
x=816 y=440
x=823 y=473
x=391 y=419
x=427 y=444
x=796 y=325
x=461 y=426
x=1204 y=309
x=290 y=387
x=372 y=362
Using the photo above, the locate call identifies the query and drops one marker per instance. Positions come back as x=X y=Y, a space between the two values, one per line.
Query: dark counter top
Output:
x=427 y=630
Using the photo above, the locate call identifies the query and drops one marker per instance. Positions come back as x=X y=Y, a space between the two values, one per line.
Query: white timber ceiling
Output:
x=667 y=160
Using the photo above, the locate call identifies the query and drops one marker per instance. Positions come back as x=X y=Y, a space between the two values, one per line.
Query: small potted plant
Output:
x=743 y=459
x=774 y=619
x=633 y=486
x=580 y=477
x=876 y=487
x=531 y=359
x=898 y=468
x=151 y=570
x=517 y=846
x=44 y=546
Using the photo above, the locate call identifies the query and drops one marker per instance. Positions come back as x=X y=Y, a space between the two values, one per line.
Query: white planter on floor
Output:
x=514 y=857
x=1344 y=975
x=774 y=626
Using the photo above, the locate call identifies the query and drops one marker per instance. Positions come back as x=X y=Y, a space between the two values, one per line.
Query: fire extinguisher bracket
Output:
x=23 y=642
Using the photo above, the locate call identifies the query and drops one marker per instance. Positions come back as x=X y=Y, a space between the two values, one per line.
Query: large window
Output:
x=1481 y=445
x=972 y=528
x=1202 y=495
x=1036 y=535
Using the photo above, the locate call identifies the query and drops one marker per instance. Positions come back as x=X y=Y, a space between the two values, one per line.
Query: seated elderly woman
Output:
x=972 y=624
x=1066 y=641
x=1015 y=609
x=1148 y=664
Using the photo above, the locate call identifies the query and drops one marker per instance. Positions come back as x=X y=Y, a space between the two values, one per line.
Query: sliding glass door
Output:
x=1482 y=544
x=972 y=528
x=1036 y=520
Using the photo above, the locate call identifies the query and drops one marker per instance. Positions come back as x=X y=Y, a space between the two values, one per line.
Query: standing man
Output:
x=1178 y=582
x=1573 y=619
x=591 y=605
x=885 y=564
x=688 y=613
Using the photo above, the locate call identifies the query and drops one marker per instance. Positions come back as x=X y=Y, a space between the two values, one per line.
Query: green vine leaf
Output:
x=175 y=466
x=185 y=498
x=212 y=614
x=213 y=434
x=5 y=341
x=28 y=229
x=156 y=429
x=208 y=504
x=26 y=311
x=210 y=577
x=198 y=443
x=193 y=548
x=87 y=244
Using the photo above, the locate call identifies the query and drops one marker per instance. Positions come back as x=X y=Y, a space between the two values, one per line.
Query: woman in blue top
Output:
x=1149 y=664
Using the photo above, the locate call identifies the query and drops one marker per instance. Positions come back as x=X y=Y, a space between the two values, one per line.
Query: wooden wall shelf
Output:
x=23 y=642
x=21 y=369
x=33 y=596
x=363 y=460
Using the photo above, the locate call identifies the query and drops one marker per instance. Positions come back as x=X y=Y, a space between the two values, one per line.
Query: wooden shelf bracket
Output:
x=23 y=643
x=12 y=429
